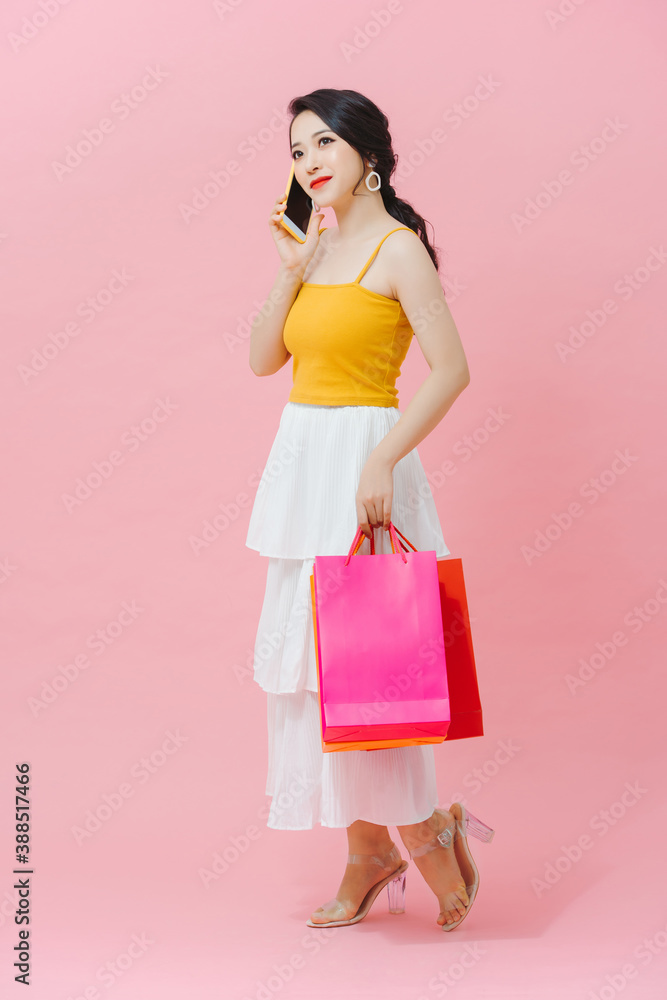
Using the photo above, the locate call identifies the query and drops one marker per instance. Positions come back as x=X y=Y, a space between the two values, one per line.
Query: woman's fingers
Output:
x=277 y=209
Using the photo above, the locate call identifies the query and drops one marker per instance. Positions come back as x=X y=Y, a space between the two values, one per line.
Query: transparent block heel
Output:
x=475 y=827
x=396 y=894
x=455 y=835
x=336 y=912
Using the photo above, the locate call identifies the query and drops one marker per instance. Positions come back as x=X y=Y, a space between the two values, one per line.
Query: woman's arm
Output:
x=418 y=289
x=267 y=348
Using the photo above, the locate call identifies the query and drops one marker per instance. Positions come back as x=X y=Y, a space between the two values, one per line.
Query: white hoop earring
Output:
x=374 y=173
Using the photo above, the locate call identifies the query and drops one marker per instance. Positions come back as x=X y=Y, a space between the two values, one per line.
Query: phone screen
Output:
x=298 y=210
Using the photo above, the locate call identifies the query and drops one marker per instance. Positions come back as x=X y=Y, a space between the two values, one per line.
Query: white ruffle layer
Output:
x=305 y=502
x=392 y=787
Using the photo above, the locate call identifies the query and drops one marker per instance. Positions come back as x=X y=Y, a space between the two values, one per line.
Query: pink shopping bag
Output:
x=380 y=647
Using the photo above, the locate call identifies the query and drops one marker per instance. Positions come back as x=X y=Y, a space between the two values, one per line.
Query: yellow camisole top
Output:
x=347 y=343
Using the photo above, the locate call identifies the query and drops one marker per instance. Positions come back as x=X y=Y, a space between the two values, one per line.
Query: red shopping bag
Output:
x=464 y=700
x=379 y=641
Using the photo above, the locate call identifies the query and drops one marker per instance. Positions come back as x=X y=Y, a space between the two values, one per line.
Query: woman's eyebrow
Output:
x=312 y=136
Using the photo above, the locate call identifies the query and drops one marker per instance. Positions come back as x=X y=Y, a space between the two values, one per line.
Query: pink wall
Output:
x=531 y=136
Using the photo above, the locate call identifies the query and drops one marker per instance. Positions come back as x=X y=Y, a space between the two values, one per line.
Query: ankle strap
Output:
x=389 y=860
x=446 y=838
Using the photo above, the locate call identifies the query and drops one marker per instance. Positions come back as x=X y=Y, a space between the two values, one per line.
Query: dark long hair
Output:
x=359 y=121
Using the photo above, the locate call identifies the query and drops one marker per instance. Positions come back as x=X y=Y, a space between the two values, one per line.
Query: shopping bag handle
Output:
x=413 y=547
x=396 y=544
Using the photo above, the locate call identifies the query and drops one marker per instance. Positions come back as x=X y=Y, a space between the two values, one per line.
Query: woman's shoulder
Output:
x=403 y=245
x=400 y=239
x=330 y=234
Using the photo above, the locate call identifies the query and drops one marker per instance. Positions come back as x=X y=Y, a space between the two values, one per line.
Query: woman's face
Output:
x=318 y=152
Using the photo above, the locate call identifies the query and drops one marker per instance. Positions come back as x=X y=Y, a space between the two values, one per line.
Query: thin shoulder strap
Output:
x=372 y=256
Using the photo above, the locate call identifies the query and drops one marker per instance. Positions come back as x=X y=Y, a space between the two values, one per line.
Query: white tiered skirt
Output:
x=305 y=506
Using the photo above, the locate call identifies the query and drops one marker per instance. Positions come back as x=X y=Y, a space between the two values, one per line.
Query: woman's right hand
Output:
x=294 y=255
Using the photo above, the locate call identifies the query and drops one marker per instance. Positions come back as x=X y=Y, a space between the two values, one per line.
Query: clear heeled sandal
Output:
x=395 y=883
x=455 y=833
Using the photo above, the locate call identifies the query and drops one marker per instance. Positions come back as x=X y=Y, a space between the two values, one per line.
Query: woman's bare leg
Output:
x=362 y=838
x=439 y=867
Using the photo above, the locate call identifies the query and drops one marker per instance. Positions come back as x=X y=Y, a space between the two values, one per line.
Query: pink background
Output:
x=169 y=685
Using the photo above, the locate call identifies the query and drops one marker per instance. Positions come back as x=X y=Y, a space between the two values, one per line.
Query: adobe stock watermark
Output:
x=242 y=334
x=276 y=297
x=122 y=107
x=453 y=117
x=99 y=642
x=606 y=649
x=239 y=844
x=425 y=315
x=645 y=952
x=219 y=180
x=452 y=288
x=581 y=159
x=113 y=970
x=379 y=361
x=131 y=439
x=284 y=972
x=141 y=771
x=32 y=24
x=563 y=12
x=267 y=643
x=7 y=569
x=591 y=490
x=224 y=7
x=596 y=318
x=401 y=681
x=447 y=979
x=374 y=26
x=229 y=512
x=88 y=310
x=464 y=449
x=601 y=823
x=478 y=777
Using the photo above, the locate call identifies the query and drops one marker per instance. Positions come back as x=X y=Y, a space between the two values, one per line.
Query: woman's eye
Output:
x=323 y=138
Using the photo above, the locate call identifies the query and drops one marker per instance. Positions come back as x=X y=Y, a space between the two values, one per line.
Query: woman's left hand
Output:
x=375 y=495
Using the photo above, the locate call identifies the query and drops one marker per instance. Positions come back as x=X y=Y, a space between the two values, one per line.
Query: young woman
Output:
x=344 y=456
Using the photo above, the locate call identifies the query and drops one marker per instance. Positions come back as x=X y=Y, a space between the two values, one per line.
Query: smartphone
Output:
x=298 y=209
